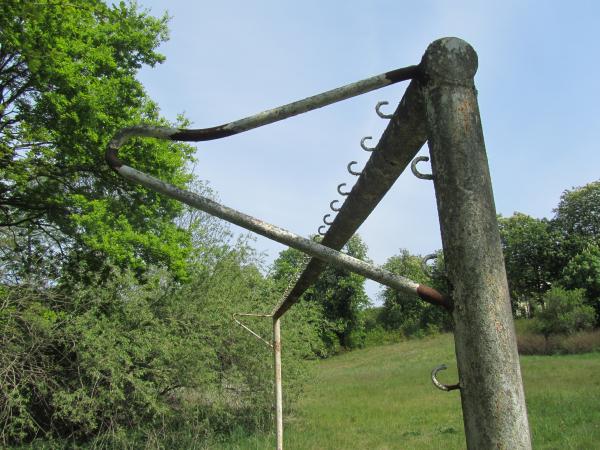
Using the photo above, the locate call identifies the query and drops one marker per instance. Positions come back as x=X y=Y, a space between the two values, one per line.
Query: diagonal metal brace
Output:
x=247 y=328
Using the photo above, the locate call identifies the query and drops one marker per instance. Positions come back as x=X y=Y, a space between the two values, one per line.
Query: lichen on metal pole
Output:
x=491 y=388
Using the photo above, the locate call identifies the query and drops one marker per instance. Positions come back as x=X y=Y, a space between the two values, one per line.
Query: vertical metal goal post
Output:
x=439 y=107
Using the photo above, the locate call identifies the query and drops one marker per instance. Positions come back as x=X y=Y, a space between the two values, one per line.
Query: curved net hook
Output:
x=415 y=171
x=442 y=386
x=349 y=167
x=339 y=189
x=424 y=260
x=381 y=114
x=364 y=146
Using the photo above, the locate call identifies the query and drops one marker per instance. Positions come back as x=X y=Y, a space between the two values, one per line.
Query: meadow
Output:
x=382 y=398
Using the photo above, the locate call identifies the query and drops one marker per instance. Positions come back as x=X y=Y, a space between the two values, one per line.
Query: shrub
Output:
x=86 y=361
x=533 y=344
x=582 y=342
x=381 y=336
x=564 y=312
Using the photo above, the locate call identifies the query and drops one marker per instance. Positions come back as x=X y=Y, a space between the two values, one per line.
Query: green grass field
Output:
x=383 y=398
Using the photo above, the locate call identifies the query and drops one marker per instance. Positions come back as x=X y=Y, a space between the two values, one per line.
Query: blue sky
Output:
x=539 y=96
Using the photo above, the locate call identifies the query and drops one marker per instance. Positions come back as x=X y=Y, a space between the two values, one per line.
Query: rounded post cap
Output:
x=449 y=59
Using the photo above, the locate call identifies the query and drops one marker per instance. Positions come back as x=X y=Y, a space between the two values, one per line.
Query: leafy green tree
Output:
x=577 y=216
x=532 y=254
x=342 y=296
x=339 y=294
x=583 y=271
x=67 y=84
x=564 y=312
x=408 y=312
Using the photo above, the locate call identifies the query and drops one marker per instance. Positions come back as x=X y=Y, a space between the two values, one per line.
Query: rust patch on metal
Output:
x=405 y=73
x=204 y=134
x=434 y=297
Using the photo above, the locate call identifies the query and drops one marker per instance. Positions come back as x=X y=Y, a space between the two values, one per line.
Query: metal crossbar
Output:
x=262 y=118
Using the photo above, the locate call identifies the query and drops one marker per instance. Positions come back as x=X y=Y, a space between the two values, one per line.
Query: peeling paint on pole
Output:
x=491 y=388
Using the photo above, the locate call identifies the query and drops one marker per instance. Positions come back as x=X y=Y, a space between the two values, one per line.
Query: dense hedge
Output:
x=78 y=361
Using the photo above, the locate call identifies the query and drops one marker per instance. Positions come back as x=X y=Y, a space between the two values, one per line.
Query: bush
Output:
x=79 y=362
x=564 y=312
x=381 y=336
x=407 y=312
x=533 y=344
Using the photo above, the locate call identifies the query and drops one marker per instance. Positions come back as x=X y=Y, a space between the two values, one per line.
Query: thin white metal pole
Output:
x=278 y=387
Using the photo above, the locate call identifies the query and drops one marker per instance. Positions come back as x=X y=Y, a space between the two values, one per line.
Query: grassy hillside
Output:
x=382 y=398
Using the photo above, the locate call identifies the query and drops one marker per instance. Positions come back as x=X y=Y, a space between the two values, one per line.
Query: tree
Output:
x=339 y=293
x=532 y=255
x=67 y=84
x=577 y=219
x=577 y=216
x=583 y=271
x=408 y=312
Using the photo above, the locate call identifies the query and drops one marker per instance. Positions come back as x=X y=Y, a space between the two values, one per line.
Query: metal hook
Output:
x=340 y=191
x=325 y=219
x=349 y=167
x=322 y=233
x=378 y=110
x=424 y=260
x=364 y=147
x=442 y=386
x=415 y=171
x=332 y=207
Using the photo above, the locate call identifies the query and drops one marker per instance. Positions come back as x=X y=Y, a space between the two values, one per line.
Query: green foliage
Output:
x=532 y=257
x=541 y=253
x=583 y=271
x=578 y=216
x=407 y=312
x=338 y=294
x=67 y=84
x=564 y=312
x=135 y=353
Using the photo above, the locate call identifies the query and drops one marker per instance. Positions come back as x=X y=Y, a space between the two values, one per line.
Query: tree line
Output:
x=552 y=267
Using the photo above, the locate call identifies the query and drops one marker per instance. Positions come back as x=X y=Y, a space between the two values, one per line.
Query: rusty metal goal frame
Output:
x=439 y=107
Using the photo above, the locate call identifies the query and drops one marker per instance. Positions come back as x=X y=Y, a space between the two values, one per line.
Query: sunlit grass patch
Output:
x=382 y=398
